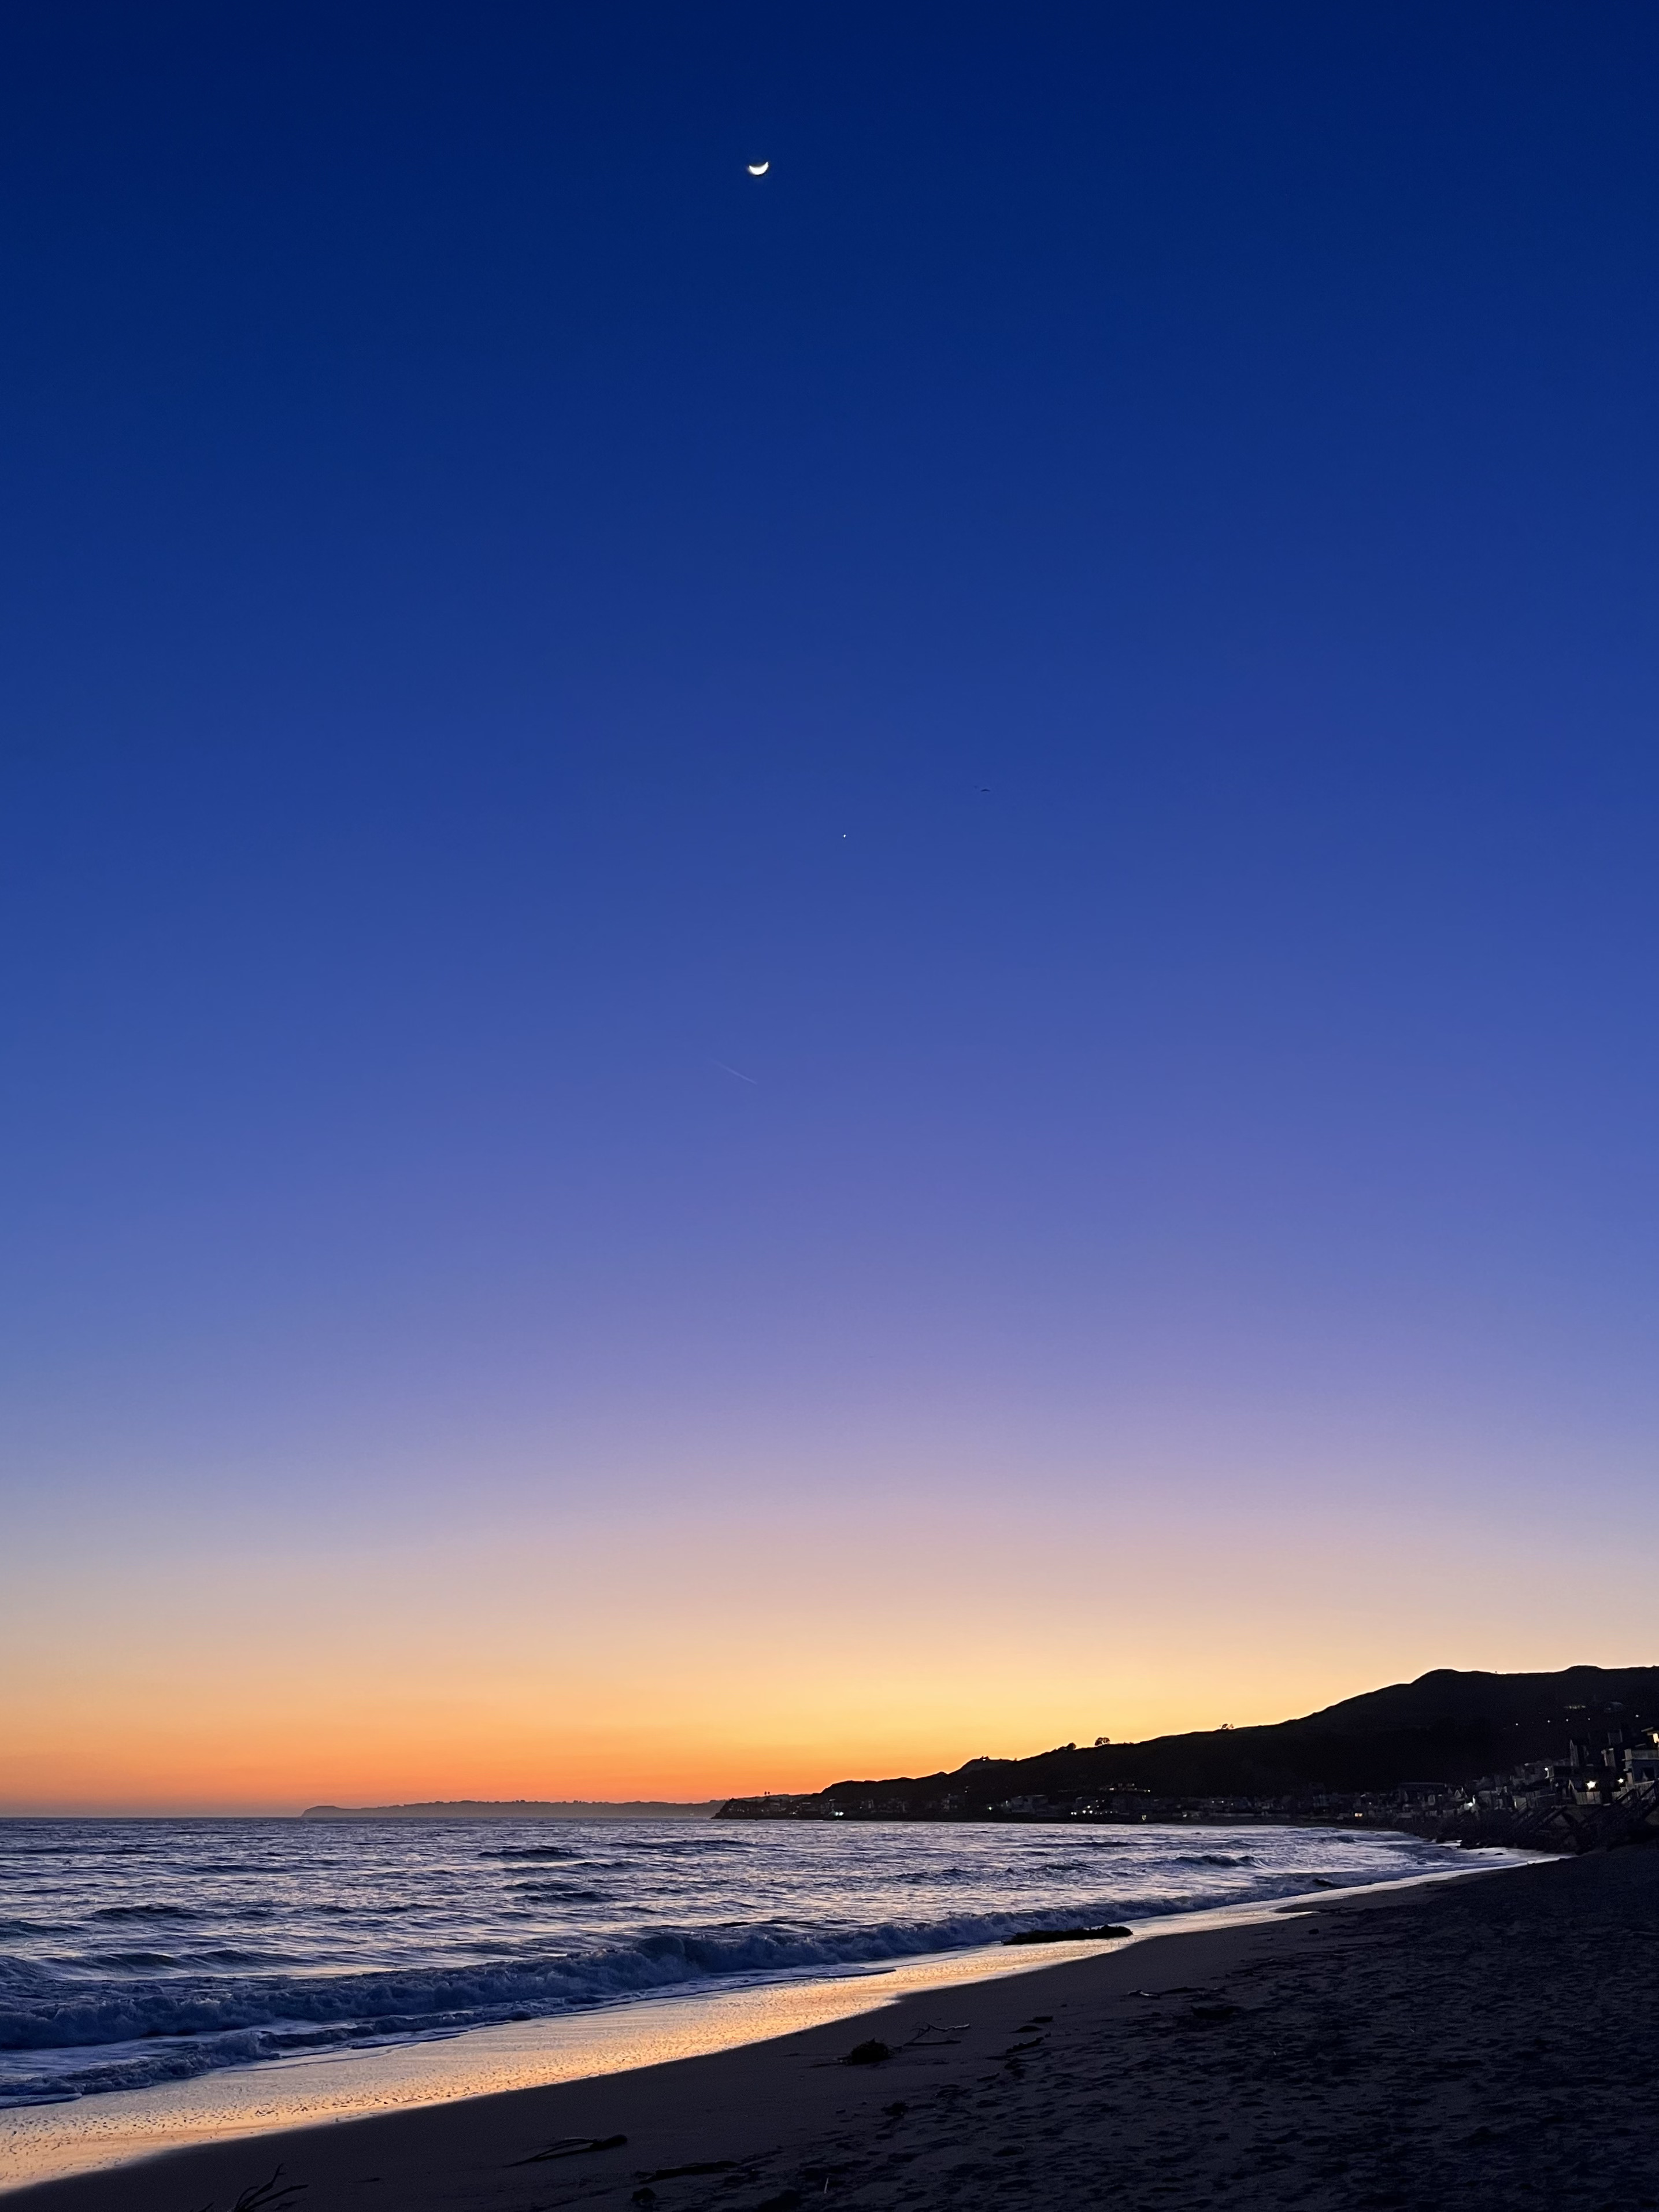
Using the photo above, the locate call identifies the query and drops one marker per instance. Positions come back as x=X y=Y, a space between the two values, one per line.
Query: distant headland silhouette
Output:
x=519 y=1808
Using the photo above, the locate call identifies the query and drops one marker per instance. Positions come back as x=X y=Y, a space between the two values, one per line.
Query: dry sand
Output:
x=1490 y=2042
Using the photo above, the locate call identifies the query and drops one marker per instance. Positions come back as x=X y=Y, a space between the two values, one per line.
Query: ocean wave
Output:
x=229 y=1956
x=416 y=1939
x=226 y=2021
x=688 y=1846
x=145 y=1912
x=77 y=1849
x=532 y=1852
x=561 y=1892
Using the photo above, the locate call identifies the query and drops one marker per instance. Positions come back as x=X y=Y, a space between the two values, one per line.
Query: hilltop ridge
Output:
x=1446 y=1729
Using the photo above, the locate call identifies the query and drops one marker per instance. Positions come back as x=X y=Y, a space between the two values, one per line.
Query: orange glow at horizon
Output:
x=683 y=1665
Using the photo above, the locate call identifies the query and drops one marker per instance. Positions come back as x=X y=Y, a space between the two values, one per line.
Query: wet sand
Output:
x=1490 y=2041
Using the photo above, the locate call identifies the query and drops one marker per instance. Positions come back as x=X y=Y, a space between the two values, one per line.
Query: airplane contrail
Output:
x=737 y=1072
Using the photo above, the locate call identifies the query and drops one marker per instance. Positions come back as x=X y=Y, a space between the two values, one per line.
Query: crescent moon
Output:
x=758 y=168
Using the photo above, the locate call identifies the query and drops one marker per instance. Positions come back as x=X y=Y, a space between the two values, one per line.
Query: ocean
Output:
x=139 y=1953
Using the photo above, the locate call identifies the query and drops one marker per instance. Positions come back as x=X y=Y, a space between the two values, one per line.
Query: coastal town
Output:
x=1604 y=1791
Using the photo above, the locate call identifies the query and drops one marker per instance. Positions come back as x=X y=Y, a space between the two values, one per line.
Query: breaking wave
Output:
x=108 y=1982
x=207 y=2022
x=145 y=2032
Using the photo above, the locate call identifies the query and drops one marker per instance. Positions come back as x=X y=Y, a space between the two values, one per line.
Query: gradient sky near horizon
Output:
x=807 y=975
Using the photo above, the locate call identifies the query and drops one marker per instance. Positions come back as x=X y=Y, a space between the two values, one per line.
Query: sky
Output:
x=804 y=975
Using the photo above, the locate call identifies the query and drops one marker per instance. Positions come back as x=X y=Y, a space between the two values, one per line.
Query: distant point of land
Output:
x=517 y=1808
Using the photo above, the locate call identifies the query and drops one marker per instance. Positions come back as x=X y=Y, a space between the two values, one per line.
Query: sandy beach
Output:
x=1486 y=2041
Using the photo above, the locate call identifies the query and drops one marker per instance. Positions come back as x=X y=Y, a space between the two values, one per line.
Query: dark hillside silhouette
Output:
x=1446 y=1727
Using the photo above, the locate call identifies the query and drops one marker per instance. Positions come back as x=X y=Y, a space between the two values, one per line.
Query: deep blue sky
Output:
x=1092 y=635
